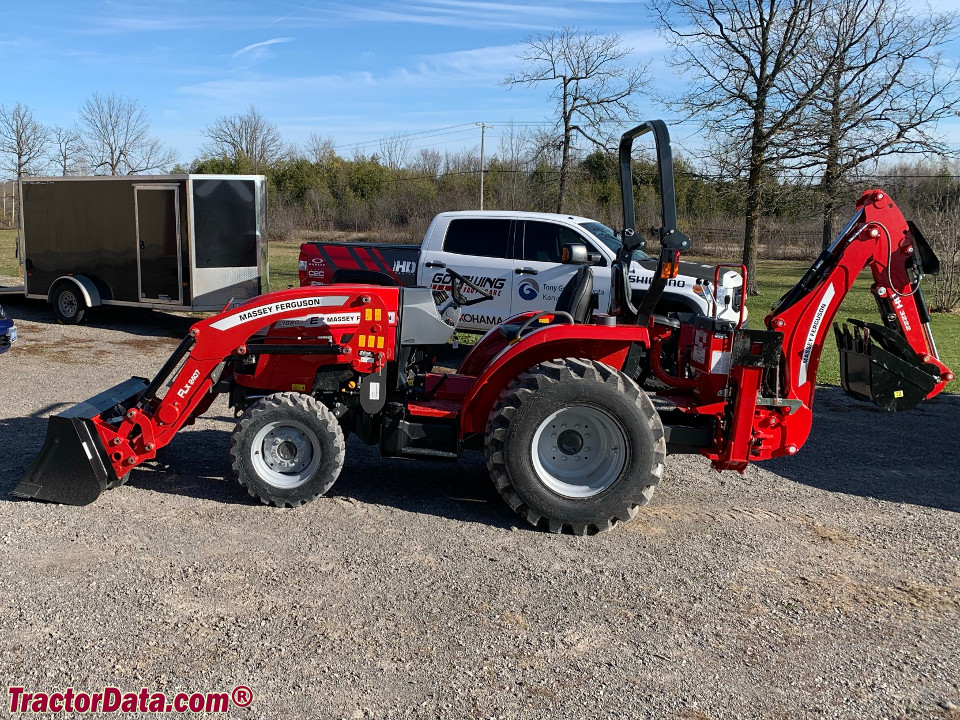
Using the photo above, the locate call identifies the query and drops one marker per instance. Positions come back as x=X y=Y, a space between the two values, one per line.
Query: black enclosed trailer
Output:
x=180 y=242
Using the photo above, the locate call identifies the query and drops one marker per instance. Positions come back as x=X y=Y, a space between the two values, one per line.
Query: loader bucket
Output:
x=879 y=366
x=73 y=467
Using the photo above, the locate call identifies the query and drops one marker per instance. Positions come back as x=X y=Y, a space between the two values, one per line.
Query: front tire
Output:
x=68 y=305
x=575 y=446
x=287 y=449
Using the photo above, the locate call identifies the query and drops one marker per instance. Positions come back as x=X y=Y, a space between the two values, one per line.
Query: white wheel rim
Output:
x=579 y=451
x=285 y=454
x=67 y=302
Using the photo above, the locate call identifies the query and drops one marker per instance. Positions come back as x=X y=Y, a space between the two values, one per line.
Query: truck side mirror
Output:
x=574 y=254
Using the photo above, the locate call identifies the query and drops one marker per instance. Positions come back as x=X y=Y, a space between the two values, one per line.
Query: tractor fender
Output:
x=608 y=345
x=91 y=296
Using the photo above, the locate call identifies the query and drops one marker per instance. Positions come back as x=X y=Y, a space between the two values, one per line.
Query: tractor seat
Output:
x=577 y=297
x=574 y=305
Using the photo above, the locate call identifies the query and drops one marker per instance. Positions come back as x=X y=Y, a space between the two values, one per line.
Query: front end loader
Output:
x=571 y=441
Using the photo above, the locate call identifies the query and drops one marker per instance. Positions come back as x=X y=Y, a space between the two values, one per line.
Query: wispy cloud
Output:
x=488 y=62
x=252 y=54
x=456 y=13
x=481 y=67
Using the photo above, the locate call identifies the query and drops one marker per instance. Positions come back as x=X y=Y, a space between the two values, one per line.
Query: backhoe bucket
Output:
x=879 y=366
x=73 y=467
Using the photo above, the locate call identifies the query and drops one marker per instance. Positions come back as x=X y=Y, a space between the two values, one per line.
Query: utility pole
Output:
x=483 y=129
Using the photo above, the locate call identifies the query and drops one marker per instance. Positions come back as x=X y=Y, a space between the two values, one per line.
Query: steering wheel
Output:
x=457 y=281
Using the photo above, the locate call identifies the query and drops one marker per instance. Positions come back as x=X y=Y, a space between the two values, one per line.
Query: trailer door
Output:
x=158 y=243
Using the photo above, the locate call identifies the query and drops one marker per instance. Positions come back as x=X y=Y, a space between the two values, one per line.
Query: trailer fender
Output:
x=91 y=296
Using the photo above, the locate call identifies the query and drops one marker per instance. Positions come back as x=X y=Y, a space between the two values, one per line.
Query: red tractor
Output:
x=572 y=442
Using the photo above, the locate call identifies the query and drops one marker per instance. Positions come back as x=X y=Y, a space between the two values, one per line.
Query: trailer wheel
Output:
x=575 y=446
x=68 y=305
x=287 y=449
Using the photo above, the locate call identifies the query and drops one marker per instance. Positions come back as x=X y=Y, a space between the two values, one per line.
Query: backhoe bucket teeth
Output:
x=878 y=365
x=73 y=467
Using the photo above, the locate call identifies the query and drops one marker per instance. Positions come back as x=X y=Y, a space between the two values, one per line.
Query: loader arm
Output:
x=878 y=237
x=94 y=444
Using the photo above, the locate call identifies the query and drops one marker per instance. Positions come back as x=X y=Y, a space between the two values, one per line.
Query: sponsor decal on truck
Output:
x=441 y=281
x=528 y=289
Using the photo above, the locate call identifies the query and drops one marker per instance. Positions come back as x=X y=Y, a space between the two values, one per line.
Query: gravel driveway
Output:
x=826 y=585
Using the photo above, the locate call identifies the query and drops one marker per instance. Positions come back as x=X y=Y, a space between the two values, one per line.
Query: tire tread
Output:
x=523 y=389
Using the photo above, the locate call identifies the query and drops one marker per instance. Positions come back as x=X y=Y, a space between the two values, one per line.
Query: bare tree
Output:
x=247 y=136
x=66 y=151
x=753 y=67
x=513 y=147
x=885 y=95
x=943 y=229
x=394 y=150
x=428 y=162
x=514 y=151
x=23 y=141
x=319 y=149
x=592 y=86
x=116 y=137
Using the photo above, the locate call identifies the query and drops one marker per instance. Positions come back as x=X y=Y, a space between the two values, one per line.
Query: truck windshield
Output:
x=609 y=238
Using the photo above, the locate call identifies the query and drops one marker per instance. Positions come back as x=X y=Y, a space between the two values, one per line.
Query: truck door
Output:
x=540 y=274
x=481 y=249
x=158 y=243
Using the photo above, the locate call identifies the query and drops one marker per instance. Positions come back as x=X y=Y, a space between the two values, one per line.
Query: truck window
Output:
x=543 y=241
x=485 y=237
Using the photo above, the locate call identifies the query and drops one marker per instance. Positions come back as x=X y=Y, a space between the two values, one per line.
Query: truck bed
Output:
x=319 y=261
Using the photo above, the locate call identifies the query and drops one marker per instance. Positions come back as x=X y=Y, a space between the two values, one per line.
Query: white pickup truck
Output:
x=517 y=257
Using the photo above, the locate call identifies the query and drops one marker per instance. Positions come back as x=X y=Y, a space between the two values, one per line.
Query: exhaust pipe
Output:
x=73 y=467
x=878 y=365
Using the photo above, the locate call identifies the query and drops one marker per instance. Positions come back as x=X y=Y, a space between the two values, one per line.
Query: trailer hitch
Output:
x=878 y=365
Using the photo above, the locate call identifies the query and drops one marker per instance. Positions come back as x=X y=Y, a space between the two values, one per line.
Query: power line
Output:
x=439 y=132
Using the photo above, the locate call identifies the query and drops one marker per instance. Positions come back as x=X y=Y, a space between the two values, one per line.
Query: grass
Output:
x=8 y=260
x=283 y=264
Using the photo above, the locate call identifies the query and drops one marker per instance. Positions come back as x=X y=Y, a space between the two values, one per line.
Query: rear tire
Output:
x=68 y=305
x=287 y=449
x=575 y=446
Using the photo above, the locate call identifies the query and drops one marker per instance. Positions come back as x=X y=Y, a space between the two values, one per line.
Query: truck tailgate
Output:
x=319 y=261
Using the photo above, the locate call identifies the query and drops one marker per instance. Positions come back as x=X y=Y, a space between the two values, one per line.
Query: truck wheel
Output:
x=68 y=305
x=575 y=446
x=287 y=449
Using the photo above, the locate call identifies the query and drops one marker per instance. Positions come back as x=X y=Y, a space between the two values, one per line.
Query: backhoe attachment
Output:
x=878 y=365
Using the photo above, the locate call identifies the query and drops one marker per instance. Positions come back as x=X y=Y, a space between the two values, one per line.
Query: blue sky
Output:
x=354 y=72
